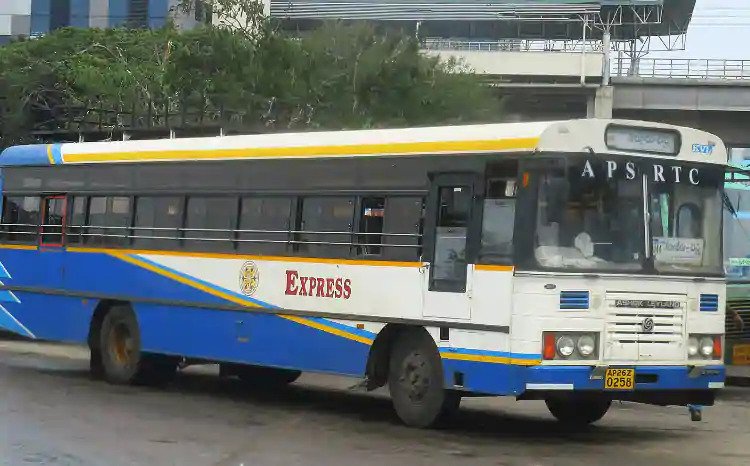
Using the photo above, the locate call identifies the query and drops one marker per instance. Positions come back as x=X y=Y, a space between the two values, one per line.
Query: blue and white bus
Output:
x=575 y=262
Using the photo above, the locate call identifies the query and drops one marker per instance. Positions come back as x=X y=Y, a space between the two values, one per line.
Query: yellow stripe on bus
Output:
x=209 y=255
x=236 y=299
x=490 y=359
x=398 y=148
x=19 y=246
x=49 y=154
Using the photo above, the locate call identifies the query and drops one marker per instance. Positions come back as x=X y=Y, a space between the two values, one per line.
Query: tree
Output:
x=339 y=76
x=245 y=17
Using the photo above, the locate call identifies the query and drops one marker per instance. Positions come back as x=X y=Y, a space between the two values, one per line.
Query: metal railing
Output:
x=90 y=233
x=681 y=68
x=510 y=45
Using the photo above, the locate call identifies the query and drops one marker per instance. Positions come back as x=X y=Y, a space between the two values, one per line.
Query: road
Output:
x=52 y=414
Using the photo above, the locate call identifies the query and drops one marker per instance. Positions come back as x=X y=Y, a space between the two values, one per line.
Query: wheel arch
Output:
x=95 y=325
x=378 y=359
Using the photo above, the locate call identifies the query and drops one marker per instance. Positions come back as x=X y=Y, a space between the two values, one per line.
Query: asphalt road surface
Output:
x=52 y=414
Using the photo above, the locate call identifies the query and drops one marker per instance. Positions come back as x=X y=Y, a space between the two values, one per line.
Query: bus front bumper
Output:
x=662 y=385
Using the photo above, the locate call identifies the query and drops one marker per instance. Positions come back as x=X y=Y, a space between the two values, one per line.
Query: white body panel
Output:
x=527 y=304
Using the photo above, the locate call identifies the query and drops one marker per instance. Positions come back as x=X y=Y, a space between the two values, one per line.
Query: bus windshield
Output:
x=685 y=228
x=590 y=216
x=589 y=223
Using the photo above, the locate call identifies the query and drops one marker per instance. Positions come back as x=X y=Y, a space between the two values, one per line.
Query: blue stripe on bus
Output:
x=709 y=302
x=215 y=289
x=501 y=354
x=574 y=300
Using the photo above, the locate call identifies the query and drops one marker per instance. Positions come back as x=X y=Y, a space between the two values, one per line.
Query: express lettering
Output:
x=659 y=173
x=319 y=287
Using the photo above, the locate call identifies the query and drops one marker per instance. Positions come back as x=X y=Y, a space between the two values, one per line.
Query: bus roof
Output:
x=574 y=136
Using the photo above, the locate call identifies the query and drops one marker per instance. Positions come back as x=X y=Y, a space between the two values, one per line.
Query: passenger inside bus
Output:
x=588 y=225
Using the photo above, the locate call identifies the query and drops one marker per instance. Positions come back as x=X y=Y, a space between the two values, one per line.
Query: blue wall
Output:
x=157 y=13
x=118 y=12
x=79 y=13
x=40 y=16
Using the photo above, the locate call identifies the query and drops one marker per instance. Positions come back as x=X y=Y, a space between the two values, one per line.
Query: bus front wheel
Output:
x=415 y=381
x=119 y=355
x=578 y=411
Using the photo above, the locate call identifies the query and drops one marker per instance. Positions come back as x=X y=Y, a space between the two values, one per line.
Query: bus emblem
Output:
x=648 y=325
x=249 y=278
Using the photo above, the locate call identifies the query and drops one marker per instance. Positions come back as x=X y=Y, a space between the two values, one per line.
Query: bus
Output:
x=572 y=262
x=737 y=265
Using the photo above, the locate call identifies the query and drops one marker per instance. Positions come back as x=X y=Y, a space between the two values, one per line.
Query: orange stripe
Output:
x=18 y=246
x=210 y=255
x=494 y=268
x=394 y=148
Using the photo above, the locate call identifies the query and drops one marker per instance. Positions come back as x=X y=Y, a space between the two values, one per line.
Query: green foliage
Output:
x=339 y=76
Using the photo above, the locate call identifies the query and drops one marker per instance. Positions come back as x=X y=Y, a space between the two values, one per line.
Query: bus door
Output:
x=449 y=229
x=52 y=239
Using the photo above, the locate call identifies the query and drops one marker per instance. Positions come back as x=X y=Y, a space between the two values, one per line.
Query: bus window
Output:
x=109 y=219
x=689 y=221
x=20 y=219
x=326 y=214
x=77 y=220
x=53 y=222
x=680 y=215
x=454 y=211
x=405 y=217
x=498 y=217
x=264 y=224
x=210 y=223
x=589 y=223
x=97 y=219
x=157 y=222
x=371 y=225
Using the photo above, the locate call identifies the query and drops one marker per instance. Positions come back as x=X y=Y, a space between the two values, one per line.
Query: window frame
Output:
x=32 y=235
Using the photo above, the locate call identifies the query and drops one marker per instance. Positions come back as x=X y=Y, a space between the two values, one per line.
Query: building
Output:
x=37 y=17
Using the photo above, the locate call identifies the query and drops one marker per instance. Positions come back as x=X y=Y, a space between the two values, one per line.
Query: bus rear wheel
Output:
x=415 y=381
x=120 y=358
x=578 y=412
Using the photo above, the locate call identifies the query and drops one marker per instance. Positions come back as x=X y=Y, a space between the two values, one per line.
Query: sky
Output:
x=719 y=29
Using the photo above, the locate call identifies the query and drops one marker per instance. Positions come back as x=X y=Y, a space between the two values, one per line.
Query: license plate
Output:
x=741 y=355
x=619 y=379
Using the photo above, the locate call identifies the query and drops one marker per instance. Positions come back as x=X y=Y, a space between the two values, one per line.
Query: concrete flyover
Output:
x=713 y=95
x=539 y=82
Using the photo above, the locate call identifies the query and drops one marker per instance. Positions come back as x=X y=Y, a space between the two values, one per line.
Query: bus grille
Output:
x=734 y=329
x=625 y=325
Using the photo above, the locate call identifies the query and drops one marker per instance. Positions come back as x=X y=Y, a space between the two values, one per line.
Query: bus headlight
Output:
x=570 y=345
x=586 y=345
x=707 y=347
x=565 y=346
x=692 y=347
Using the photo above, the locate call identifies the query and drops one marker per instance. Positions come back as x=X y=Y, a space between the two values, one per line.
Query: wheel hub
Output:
x=122 y=344
x=415 y=376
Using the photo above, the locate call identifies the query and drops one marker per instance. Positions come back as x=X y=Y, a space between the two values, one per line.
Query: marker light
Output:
x=549 y=346
x=717 y=347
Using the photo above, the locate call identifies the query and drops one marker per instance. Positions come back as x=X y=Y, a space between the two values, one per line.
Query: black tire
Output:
x=415 y=381
x=578 y=412
x=266 y=377
x=96 y=366
x=121 y=359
